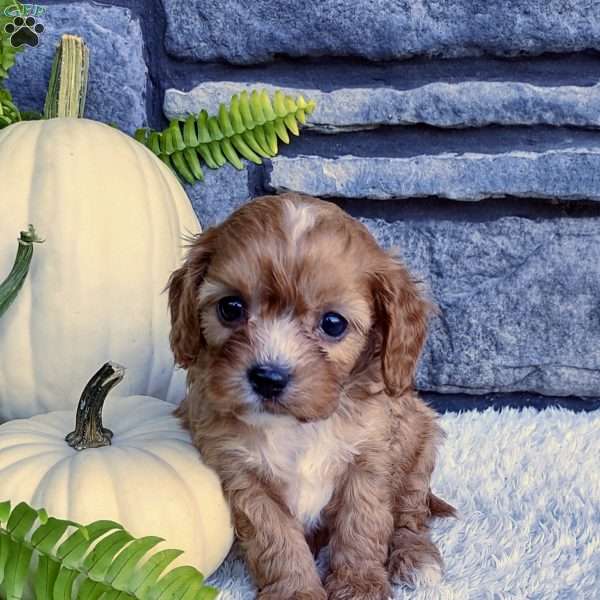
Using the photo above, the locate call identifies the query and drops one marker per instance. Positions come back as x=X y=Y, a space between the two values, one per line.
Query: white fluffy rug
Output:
x=527 y=485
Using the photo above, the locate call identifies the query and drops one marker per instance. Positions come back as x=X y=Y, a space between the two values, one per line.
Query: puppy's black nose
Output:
x=268 y=380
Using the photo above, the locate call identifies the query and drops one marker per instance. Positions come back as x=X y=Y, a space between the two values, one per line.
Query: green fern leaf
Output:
x=16 y=569
x=256 y=108
x=214 y=130
x=191 y=158
x=114 y=595
x=280 y=108
x=46 y=575
x=63 y=586
x=4 y=547
x=271 y=136
x=166 y=142
x=9 y=113
x=141 y=135
x=225 y=122
x=291 y=124
x=204 y=152
x=92 y=590
x=203 y=134
x=245 y=111
x=245 y=150
x=237 y=121
x=154 y=143
x=281 y=131
x=176 y=136
x=190 y=136
x=4 y=512
x=230 y=153
x=74 y=548
x=174 y=584
x=266 y=106
x=301 y=116
x=250 y=138
x=217 y=154
x=21 y=520
x=123 y=567
x=149 y=573
x=250 y=128
x=46 y=536
x=100 y=561
x=261 y=138
x=182 y=167
x=100 y=558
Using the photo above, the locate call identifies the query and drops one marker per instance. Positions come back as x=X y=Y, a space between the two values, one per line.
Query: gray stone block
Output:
x=518 y=299
x=222 y=191
x=440 y=104
x=569 y=173
x=118 y=73
x=244 y=33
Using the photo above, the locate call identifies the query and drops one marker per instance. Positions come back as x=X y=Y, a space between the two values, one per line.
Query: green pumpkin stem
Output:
x=13 y=283
x=89 y=432
x=67 y=88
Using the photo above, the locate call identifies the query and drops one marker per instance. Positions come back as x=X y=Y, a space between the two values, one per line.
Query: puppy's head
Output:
x=284 y=304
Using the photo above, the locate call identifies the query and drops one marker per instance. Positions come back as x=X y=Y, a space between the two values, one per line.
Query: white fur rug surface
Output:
x=527 y=487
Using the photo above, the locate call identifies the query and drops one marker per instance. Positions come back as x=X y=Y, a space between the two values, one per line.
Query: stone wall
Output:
x=465 y=132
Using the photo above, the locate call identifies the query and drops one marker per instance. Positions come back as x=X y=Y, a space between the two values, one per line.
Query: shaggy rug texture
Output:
x=527 y=485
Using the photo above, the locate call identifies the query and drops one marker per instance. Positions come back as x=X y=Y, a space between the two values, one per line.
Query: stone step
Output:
x=377 y=29
x=568 y=173
x=518 y=299
x=457 y=104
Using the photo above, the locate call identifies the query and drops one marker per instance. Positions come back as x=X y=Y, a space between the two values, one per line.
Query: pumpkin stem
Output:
x=89 y=432
x=68 y=79
x=13 y=283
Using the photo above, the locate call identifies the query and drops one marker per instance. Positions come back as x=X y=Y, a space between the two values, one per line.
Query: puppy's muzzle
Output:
x=267 y=380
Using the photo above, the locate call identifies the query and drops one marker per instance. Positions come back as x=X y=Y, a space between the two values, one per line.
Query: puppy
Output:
x=300 y=336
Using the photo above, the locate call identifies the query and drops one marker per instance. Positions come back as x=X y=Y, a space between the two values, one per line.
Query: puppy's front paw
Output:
x=414 y=559
x=366 y=584
x=285 y=590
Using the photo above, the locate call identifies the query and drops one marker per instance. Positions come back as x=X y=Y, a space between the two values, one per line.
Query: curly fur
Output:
x=345 y=457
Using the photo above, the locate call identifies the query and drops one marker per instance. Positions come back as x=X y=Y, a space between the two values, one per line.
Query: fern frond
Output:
x=249 y=128
x=100 y=561
x=9 y=113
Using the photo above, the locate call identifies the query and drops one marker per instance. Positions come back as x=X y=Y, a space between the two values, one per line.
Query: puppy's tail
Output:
x=440 y=508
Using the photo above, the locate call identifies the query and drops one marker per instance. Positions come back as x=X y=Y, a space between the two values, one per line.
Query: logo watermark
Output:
x=25 y=27
x=25 y=10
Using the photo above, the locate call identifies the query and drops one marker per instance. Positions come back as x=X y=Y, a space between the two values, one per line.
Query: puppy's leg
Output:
x=361 y=525
x=277 y=554
x=413 y=555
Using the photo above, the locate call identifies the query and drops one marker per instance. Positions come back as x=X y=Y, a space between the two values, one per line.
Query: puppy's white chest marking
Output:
x=309 y=458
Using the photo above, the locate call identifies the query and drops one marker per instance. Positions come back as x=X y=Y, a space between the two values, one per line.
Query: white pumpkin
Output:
x=113 y=217
x=150 y=479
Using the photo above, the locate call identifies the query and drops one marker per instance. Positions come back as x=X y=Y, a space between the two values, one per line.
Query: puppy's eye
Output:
x=333 y=324
x=231 y=309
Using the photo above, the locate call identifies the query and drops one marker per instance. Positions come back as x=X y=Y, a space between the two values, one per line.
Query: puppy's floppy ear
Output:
x=401 y=314
x=186 y=336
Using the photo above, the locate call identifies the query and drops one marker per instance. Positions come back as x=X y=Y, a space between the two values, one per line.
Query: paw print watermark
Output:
x=24 y=31
x=25 y=27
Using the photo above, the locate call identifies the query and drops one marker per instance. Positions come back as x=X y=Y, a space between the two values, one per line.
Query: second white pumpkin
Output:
x=151 y=479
